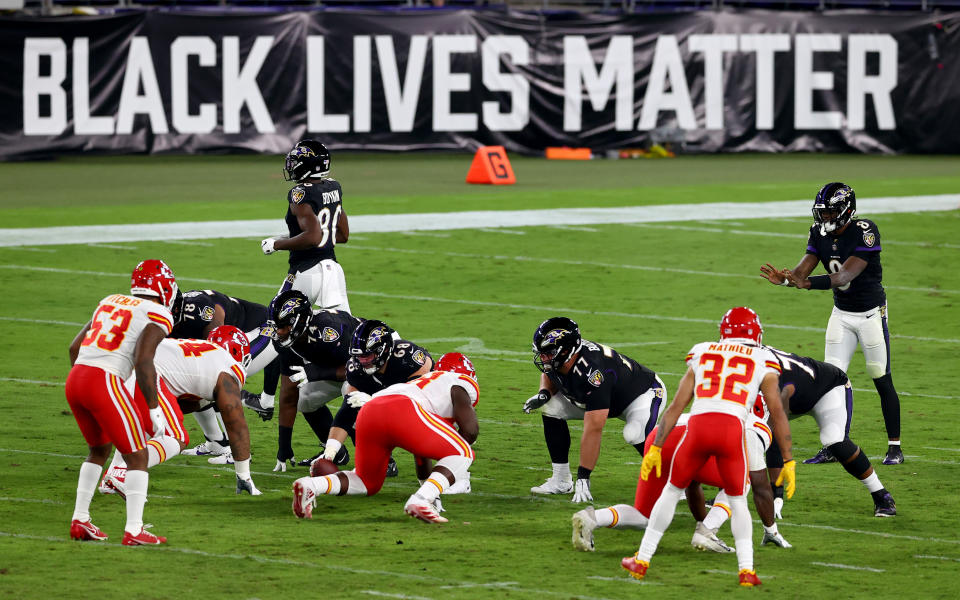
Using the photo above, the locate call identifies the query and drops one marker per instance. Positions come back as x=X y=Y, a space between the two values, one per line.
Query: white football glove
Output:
x=776 y=539
x=267 y=245
x=246 y=485
x=536 y=401
x=358 y=399
x=331 y=448
x=299 y=376
x=159 y=423
x=778 y=508
x=282 y=465
x=581 y=491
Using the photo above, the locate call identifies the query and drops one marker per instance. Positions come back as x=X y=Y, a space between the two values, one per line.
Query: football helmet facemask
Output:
x=834 y=207
x=454 y=362
x=371 y=345
x=554 y=342
x=741 y=323
x=153 y=277
x=308 y=158
x=233 y=341
x=289 y=309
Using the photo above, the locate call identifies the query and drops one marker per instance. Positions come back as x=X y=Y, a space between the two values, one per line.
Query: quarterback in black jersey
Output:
x=819 y=389
x=849 y=249
x=584 y=380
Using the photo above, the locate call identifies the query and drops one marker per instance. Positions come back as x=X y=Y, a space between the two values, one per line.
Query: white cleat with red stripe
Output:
x=304 y=498
x=114 y=482
x=420 y=508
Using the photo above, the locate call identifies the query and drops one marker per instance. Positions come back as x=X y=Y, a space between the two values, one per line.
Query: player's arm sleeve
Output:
x=320 y=372
x=287 y=360
x=811 y=242
x=869 y=242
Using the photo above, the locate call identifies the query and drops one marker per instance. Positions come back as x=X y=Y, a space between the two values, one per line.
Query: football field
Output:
x=649 y=288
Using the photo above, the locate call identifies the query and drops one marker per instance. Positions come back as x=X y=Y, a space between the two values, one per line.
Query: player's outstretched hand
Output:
x=535 y=402
x=788 y=478
x=651 y=461
x=774 y=275
x=299 y=376
x=581 y=491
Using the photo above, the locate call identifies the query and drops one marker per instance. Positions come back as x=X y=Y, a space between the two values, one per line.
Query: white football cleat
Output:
x=554 y=486
x=221 y=459
x=706 y=539
x=419 y=508
x=207 y=448
x=304 y=498
x=114 y=480
x=776 y=539
x=584 y=522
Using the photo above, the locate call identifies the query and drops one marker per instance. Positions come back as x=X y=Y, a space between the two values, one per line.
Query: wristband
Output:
x=583 y=472
x=544 y=394
x=820 y=282
x=784 y=282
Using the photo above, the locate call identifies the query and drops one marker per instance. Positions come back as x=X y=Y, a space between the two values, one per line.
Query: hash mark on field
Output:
x=43 y=321
x=186 y=243
x=936 y=557
x=37 y=500
x=388 y=595
x=27 y=249
x=494 y=584
x=945 y=449
x=111 y=246
x=574 y=228
x=851 y=567
x=506 y=231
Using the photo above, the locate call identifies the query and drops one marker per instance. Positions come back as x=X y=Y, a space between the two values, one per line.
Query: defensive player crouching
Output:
x=432 y=417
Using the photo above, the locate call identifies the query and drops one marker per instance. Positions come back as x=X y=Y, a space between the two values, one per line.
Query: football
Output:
x=321 y=467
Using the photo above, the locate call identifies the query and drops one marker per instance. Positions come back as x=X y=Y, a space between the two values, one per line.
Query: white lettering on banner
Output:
x=83 y=122
x=206 y=51
x=806 y=80
x=713 y=47
x=515 y=84
x=36 y=86
x=361 y=83
x=139 y=73
x=401 y=99
x=667 y=64
x=445 y=82
x=879 y=86
x=317 y=118
x=240 y=84
x=765 y=45
x=579 y=72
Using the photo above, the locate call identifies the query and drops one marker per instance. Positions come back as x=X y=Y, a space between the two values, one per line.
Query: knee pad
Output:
x=876 y=370
x=457 y=465
x=633 y=433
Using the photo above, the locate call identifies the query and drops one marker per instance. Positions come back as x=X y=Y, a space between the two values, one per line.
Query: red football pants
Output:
x=104 y=409
x=396 y=421
x=171 y=412
x=649 y=491
x=715 y=435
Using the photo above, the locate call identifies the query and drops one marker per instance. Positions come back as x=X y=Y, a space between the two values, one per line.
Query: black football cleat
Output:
x=392 y=469
x=309 y=461
x=252 y=401
x=824 y=456
x=883 y=504
x=894 y=455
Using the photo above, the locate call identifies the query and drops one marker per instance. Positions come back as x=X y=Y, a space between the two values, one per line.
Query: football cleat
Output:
x=105 y=487
x=392 y=469
x=246 y=485
x=748 y=578
x=883 y=504
x=115 y=480
x=894 y=455
x=222 y=459
x=636 y=567
x=584 y=522
x=253 y=402
x=420 y=508
x=706 y=539
x=304 y=498
x=306 y=462
x=144 y=538
x=208 y=448
x=824 y=456
x=554 y=486
x=86 y=531
x=776 y=539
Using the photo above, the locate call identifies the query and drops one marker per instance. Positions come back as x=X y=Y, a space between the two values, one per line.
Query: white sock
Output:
x=620 y=516
x=207 y=419
x=136 y=484
x=161 y=449
x=742 y=529
x=893 y=443
x=660 y=518
x=561 y=471
x=718 y=514
x=872 y=482
x=330 y=484
x=772 y=530
x=435 y=485
x=242 y=468
x=266 y=400
x=86 y=485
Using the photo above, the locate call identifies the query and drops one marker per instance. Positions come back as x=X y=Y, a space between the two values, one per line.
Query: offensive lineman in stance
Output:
x=432 y=417
x=722 y=379
x=122 y=337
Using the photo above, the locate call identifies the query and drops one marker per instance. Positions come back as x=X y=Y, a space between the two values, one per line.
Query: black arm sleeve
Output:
x=346 y=416
x=320 y=372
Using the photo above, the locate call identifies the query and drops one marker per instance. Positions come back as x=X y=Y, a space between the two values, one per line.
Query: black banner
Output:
x=185 y=82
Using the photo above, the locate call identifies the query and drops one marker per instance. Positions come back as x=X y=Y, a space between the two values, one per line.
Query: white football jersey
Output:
x=191 y=368
x=115 y=329
x=728 y=375
x=432 y=391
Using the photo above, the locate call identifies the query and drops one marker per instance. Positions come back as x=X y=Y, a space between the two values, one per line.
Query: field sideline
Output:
x=651 y=289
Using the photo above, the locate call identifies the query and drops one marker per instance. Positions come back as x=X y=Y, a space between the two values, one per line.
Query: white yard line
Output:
x=725 y=211
x=850 y=567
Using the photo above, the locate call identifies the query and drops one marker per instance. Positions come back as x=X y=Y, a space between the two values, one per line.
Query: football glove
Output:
x=246 y=485
x=787 y=478
x=776 y=539
x=299 y=376
x=651 y=461
x=159 y=423
x=357 y=399
x=535 y=402
x=331 y=449
x=778 y=508
x=283 y=456
x=581 y=491
x=267 y=245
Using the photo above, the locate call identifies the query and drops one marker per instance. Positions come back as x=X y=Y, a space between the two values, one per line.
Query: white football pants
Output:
x=845 y=330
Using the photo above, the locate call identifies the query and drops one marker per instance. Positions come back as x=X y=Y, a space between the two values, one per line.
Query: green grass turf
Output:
x=651 y=291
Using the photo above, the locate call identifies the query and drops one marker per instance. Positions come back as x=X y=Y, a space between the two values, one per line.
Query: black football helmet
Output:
x=177 y=309
x=554 y=342
x=308 y=158
x=289 y=309
x=834 y=207
x=371 y=345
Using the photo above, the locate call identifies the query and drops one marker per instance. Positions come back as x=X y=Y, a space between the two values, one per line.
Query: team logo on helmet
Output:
x=553 y=337
x=595 y=379
x=840 y=195
x=376 y=336
x=301 y=151
x=419 y=357
x=869 y=239
x=329 y=334
x=288 y=307
x=207 y=313
x=297 y=194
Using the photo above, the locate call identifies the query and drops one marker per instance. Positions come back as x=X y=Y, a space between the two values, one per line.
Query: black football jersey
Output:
x=861 y=238
x=811 y=379
x=324 y=197
x=407 y=359
x=603 y=378
x=198 y=309
x=325 y=343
